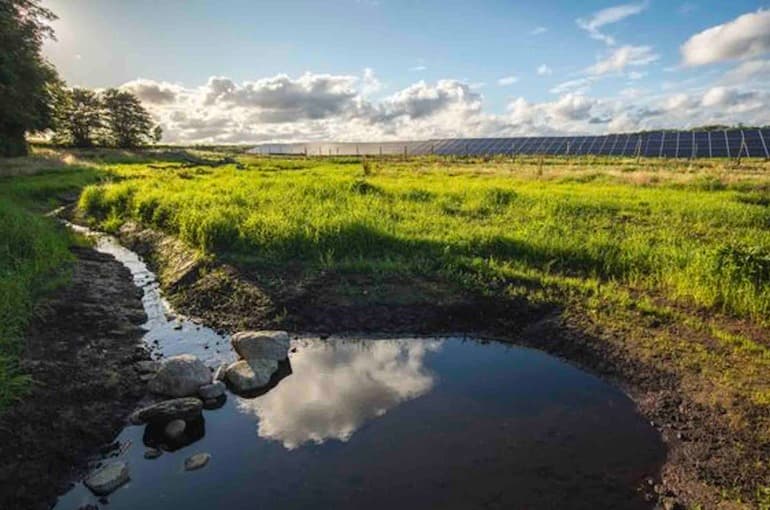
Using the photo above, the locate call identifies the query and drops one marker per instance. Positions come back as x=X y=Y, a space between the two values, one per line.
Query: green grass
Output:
x=34 y=254
x=695 y=236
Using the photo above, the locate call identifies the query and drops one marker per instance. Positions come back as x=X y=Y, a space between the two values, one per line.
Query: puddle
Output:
x=384 y=423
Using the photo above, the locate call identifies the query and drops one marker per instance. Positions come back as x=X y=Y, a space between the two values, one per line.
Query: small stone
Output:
x=175 y=429
x=178 y=326
x=271 y=345
x=180 y=376
x=212 y=391
x=245 y=376
x=152 y=453
x=146 y=377
x=196 y=461
x=162 y=412
x=106 y=479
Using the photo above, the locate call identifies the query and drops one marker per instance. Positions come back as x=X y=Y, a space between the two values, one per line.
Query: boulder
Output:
x=174 y=429
x=212 y=391
x=196 y=461
x=179 y=408
x=180 y=376
x=107 y=478
x=272 y=345
x=245 y=376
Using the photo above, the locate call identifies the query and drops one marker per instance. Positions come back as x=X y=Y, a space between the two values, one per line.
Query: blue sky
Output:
x=492 y=57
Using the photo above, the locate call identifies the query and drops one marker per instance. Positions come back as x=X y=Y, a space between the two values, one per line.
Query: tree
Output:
x=128 y=123
x=157 y=133
x=77 y=117
x=26 y=79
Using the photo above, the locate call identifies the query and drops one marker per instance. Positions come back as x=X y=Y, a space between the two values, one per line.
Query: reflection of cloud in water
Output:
x=336 y=386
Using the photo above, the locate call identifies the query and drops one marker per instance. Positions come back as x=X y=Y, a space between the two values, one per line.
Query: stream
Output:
x=451 y=422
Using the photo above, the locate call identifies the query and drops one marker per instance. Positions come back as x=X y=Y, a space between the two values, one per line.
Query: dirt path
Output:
x=80 y=351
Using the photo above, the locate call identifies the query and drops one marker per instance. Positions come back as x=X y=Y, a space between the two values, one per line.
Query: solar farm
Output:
x=730 y=143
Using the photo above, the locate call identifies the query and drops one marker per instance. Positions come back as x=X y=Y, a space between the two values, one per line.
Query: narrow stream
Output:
x=385 y=423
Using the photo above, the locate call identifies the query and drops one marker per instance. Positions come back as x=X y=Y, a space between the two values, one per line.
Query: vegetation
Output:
x=114 y=118
x=26 y=79
x=698 y=237
x=34 y=254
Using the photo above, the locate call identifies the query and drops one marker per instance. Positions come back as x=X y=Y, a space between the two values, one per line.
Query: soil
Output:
x=80 y=351
x=708 y=456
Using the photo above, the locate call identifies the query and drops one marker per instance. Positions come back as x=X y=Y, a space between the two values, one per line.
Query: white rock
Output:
x=180 y=376
x=245 y=376
x=272 y=345
x=212 y=391
x=107 y=478
x=196 y=461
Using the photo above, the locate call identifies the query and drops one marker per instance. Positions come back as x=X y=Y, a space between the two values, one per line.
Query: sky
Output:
x=241 y=71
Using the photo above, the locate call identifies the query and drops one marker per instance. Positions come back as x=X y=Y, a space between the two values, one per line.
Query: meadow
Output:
x=696 y=234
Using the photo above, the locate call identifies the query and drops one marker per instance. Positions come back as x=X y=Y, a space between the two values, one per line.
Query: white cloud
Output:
x=747 y=71
x=538 y=31
x=321 y=107
x=153 y=92
x=544 y=70
x=746 y=36
x=418 y=68
x=579 y=85
x=336 y=388
x=609 y=16
x=507 y=80
x=623 y=57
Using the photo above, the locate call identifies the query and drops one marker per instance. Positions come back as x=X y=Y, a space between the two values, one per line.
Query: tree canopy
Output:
x=26 y=78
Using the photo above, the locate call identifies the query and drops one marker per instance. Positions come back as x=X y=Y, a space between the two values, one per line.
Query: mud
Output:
x=81 y=350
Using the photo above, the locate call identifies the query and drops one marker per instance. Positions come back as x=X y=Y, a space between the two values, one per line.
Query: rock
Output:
x=180 y=376
x=107 y=478
x=148 y=366
x=179 y=408
x=174 y=429
x=214 y=403
x=272 y=345
x=178 y=326
x=146 y=377
x=196 y=461
x=152 y=453
x=212 y=391
x=219 y=373
x=245 y=376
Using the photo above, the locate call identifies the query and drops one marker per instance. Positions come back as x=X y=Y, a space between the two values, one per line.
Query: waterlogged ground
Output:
x=378 y=423
x=434 y=423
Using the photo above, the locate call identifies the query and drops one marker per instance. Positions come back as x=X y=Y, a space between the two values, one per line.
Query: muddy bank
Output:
x=709 y=454
x=80 y=351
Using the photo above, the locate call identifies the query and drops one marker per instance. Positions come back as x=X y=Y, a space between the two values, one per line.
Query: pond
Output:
x=450 y=422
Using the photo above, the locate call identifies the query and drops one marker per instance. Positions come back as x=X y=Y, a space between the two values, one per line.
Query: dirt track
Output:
x=80 y=351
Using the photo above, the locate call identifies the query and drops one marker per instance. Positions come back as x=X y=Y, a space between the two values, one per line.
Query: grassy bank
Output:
x=695 y=236
x=665 y=265
x=34 y=253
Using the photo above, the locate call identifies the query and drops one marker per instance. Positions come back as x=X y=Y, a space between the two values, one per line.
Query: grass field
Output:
x=695 y=235
x=34 y=253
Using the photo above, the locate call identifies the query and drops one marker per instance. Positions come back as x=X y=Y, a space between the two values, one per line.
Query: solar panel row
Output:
x=657 y=144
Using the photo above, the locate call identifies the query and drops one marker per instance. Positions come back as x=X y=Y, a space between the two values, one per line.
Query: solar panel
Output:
x=652 y=142
x=668 y=146
x=685 y=144
x=719 y=147
x=735 y=143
